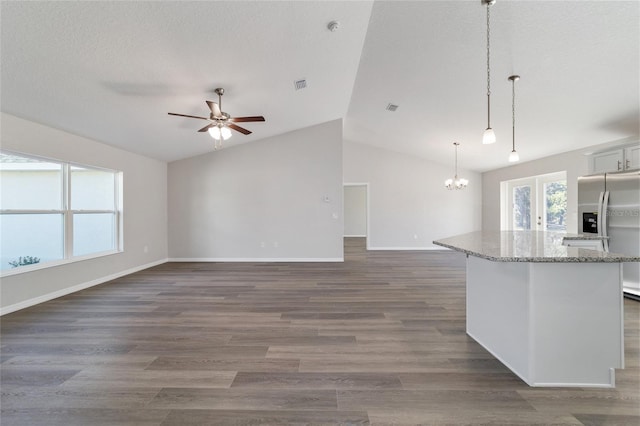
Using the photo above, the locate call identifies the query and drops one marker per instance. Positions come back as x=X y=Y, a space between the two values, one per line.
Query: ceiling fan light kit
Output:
x=221 y=123
x=220 y=132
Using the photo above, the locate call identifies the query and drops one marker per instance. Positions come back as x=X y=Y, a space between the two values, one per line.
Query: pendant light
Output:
x=488 y=136
x=513 y=157
x=456 y=183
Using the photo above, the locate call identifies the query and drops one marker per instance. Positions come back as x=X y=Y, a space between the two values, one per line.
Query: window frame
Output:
x=67 y=214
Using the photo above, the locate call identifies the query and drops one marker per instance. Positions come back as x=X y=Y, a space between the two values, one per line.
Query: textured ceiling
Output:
x=112 y=70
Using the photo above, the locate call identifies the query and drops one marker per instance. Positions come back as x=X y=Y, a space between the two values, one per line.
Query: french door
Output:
x=537 y=203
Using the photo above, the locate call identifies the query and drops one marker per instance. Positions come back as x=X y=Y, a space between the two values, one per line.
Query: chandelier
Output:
x=456 y=182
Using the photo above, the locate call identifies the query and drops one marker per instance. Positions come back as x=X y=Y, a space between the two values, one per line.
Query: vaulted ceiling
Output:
x=111 y=71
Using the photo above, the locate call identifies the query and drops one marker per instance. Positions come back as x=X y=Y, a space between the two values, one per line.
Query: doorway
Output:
x=356 y=213
x=537 y=203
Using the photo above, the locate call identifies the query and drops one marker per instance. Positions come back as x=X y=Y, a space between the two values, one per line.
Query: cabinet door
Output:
x=632 y=158
x=610 y=161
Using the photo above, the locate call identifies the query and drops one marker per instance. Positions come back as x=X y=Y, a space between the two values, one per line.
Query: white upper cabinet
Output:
x=632 y=157
x=615 y=160
x=610 y=161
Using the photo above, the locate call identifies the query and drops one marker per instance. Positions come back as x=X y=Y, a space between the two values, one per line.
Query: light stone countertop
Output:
x=527 y=246
x=573 y=237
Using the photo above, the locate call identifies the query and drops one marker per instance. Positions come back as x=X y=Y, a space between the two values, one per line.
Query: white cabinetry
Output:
x=632 y=157
x=610 y=161
x=615 y=160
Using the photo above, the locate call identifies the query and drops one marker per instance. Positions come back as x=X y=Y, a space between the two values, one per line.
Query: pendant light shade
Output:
x=489 y=135
x=456 y=182
x=513 y=157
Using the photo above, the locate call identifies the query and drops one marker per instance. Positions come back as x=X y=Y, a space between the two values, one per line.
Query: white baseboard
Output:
x=631 y=290
x=50 y=296
x=354 y=236
x=256 y=259
x=405 y=248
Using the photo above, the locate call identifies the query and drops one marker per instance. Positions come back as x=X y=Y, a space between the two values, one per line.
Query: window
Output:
x=535 y=203
x=521 y=207
x=53 y=212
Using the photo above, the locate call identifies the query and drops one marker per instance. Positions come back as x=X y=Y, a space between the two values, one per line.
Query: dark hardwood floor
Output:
x=377 y=339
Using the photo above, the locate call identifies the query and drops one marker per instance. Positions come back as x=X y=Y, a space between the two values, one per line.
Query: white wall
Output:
x=355 y=211
x=260 y=200
x=575 y=163
x=407 y=198
x=145 y=217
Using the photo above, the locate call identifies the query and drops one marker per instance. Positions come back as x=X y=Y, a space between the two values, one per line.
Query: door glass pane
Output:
x=92 y=189
x=30 y=238
x=29 y=184
x=555 y=194
x=522 y=207
x=93 y=233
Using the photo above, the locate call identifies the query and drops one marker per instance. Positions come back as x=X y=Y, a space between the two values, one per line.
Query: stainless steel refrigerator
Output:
x=609 y=205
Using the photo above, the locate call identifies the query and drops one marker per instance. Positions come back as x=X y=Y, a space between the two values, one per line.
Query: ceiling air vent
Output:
x=392 y=107
x=300 y=84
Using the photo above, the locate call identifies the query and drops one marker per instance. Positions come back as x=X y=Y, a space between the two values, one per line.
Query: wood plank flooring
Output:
x=379 y=339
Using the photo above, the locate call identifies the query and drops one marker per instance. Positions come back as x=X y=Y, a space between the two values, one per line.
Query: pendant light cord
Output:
x=513 y=113
x=488 y=68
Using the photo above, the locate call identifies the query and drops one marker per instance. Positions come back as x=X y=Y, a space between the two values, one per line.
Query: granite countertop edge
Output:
x=584 y=256
x=574 y=237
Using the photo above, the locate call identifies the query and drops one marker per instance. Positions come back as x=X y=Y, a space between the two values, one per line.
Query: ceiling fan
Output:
x=221 y=122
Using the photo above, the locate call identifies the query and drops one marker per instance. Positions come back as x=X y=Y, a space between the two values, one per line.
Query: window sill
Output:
x=54 y=263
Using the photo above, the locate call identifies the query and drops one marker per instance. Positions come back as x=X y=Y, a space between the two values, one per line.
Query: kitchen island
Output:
x=553 y=314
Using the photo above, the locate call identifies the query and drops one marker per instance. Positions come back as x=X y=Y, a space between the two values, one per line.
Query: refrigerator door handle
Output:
x=604 y=221
x=599 y=217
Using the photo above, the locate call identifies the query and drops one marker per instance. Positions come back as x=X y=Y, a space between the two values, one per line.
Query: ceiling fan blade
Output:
x=185 y=115
x=247 y=119
x=238 y=128
x=215 y=109
x=207 y=127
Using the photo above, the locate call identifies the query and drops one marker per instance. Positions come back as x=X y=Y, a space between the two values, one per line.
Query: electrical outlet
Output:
x=275 y=244
x=146 y=249
x=415 y=236
x=262 y=244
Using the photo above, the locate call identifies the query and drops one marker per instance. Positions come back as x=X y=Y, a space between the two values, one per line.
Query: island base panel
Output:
x=552 y=324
